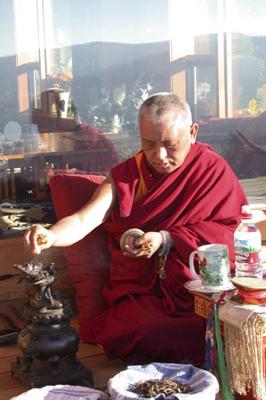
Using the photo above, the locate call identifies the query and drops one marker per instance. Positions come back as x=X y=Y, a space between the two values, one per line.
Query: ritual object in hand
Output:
x=41 y=239
x=129 y=237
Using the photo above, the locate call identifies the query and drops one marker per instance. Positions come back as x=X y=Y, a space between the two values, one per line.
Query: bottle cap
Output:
x=246 y=212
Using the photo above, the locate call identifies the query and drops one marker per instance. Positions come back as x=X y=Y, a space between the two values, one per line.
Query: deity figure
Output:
x=39 y=278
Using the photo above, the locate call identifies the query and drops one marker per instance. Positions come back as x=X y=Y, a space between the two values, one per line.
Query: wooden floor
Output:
x=92 y=356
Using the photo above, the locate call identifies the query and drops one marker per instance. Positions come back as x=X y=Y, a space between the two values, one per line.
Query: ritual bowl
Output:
x=127 y=240
x=203 y=384
x=252 y=290
x=253 y=297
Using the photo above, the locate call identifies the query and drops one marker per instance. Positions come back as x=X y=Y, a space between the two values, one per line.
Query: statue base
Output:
x=41 y=373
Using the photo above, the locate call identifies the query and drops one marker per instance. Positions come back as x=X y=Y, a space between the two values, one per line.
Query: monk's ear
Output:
x=193 y=132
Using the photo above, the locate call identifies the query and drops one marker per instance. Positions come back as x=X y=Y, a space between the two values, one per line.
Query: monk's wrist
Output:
x=167 y=242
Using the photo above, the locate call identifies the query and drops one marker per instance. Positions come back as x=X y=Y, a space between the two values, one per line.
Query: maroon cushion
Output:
x=88 y=260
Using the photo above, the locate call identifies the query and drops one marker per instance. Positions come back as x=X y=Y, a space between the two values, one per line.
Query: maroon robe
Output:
x=149 y=319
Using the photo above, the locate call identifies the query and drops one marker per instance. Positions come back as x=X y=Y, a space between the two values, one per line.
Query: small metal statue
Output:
x=39 y=278
x=48 y=343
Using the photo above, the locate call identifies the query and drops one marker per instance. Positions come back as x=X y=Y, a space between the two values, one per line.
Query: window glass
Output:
x=246 y=86
x=194 y=55
x=246 y=23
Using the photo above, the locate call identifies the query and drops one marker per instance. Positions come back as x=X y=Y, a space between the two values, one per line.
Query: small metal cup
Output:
x=127 y=240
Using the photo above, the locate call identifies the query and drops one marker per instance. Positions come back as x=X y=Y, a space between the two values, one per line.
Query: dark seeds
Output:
x=153 y=387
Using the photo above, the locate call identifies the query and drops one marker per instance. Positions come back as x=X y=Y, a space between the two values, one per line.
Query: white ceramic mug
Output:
x=214 y=266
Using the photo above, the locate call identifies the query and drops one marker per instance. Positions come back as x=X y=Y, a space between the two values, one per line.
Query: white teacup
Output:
x=214 y=266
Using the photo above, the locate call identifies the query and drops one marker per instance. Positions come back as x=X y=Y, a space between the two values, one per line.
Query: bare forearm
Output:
x=68 y=231
x=71 y=229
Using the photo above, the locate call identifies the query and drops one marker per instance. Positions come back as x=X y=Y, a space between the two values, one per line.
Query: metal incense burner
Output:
x=48 y=343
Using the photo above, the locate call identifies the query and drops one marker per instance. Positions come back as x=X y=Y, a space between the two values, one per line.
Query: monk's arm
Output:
x=71 y=229
x=75 y=227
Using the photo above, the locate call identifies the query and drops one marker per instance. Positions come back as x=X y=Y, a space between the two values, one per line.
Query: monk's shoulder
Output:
x=125 y=169
x=209 y=156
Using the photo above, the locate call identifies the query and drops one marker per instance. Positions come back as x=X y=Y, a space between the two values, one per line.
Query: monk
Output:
x=181 y=194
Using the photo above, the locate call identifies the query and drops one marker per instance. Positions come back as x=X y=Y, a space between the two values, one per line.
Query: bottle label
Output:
x=247 y=251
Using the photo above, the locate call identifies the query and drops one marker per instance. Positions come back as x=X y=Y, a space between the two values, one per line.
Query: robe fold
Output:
x=148 y=318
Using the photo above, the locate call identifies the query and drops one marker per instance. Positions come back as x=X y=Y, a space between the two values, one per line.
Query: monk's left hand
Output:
x=146 y=245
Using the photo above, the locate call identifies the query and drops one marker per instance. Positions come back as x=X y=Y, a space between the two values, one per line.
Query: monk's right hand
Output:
x=38 y=238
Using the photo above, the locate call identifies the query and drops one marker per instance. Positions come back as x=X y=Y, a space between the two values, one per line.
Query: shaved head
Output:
x=164 y=104
x=166 y=130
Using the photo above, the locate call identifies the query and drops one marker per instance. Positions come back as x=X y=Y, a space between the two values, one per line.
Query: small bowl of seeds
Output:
x=163 y=381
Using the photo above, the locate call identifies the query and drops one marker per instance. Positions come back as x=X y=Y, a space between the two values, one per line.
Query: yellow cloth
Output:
x=142 y=188
x=244 y=330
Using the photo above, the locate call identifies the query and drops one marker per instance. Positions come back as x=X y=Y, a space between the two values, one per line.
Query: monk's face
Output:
x=165 y=144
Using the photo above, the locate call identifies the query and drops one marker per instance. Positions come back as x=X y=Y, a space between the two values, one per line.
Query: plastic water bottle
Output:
x=247 y=240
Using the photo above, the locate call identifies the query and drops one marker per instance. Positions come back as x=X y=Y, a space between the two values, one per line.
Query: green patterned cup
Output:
x=214 y=266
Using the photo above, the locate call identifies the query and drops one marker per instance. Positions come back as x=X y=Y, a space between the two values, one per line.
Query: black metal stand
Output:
x=48 y=344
